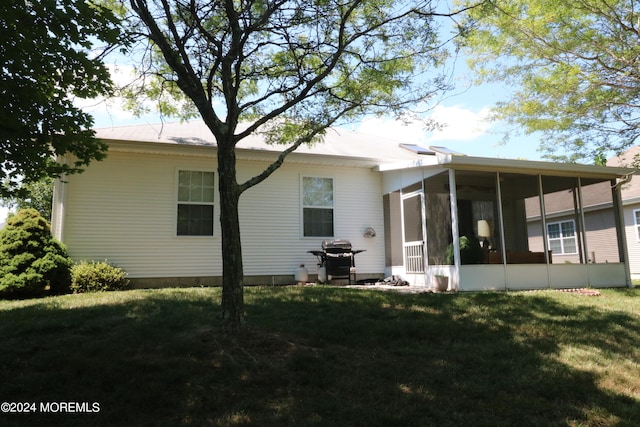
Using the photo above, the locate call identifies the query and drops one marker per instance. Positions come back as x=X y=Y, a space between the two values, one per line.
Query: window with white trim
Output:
x=317 y=207
x=195 y=203
x=636 y=219
x=562 y=237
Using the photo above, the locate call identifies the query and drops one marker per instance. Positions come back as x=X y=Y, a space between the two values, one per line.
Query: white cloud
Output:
x=459 y=124
x=111 y=111
x=454 y=124
x=412 y=130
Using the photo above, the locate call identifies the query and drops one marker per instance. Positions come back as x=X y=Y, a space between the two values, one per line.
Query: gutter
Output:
x=530 y=167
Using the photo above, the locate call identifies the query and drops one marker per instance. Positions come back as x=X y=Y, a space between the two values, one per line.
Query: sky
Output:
x=463 y=116
x=463 y=113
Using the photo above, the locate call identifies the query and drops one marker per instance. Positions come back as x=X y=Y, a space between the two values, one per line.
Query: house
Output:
x=599 y=225
x=152 y=208
x=564 y=218
x=630 y=193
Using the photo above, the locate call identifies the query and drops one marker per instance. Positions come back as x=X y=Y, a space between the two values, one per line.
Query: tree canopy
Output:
x=50 y=52
x=285 y=69
x=39 y=196
x=572 y=66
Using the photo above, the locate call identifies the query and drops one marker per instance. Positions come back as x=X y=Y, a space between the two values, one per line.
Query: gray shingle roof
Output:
x=336 y=142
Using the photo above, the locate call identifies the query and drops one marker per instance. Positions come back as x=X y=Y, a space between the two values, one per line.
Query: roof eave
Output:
x=242 y=153
x=513 y=166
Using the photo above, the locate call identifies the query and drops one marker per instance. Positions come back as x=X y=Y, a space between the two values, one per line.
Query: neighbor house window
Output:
x=636 y=218
x=317 y=206
x=562 y=237
x=195 y=203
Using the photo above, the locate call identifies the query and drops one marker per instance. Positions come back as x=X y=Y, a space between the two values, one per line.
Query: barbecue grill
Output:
x=338 y=258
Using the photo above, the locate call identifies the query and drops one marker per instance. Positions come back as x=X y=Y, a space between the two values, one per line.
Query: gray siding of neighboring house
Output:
x=602 y=244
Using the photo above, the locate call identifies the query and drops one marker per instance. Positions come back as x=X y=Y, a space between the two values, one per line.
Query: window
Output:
x=636 y=218
x=562 y=237
x=195 y=203
x=317 y=207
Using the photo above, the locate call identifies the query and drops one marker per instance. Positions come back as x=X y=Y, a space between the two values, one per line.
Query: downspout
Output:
x=58 y=211
x=454 y=230
x=58 y=202
x=627 y=179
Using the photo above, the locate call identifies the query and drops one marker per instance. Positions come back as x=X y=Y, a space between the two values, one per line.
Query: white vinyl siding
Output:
x=562 y=237
x=632 y=233
x=636 y=221
x=272 y=243
x=124 y=209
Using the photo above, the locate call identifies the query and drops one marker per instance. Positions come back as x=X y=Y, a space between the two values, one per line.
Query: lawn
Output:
x=323 y=356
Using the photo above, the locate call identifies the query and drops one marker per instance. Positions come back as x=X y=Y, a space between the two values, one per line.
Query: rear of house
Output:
x=152 y=208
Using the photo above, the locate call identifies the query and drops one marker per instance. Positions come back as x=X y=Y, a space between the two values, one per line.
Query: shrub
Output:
x=31 y=260
x=470 y=251
x=93 y=276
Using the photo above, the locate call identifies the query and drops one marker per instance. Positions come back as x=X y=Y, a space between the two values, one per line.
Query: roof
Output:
x=340 y=146
x=631 y=190
x=626 y=158
x=337 y=142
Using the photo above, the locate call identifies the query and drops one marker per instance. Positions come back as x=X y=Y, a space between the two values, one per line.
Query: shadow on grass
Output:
x=474 y=359
x=319 y=356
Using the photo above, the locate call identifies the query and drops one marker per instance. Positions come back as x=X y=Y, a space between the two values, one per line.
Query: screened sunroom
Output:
x=496 y=224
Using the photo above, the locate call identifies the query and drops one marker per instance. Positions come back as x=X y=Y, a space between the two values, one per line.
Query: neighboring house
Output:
x=4 y=216
x=631 y=209
x=152 y=208
x=576 y=233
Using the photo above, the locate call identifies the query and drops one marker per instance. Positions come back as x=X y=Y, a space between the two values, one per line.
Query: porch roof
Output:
x=488 y=164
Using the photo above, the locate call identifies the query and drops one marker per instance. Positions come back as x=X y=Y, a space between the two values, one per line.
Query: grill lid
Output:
x=336 y=244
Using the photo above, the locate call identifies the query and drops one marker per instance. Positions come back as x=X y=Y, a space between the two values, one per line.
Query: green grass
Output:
x=322 y=356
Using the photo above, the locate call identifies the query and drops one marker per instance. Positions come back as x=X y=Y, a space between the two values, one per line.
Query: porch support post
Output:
x=619 y=221
x=503 y=246
x=543 y=217
x=425 y=236
x=454 y=230
x=582 y=236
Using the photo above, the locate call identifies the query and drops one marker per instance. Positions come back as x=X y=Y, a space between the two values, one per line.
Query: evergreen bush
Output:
x=92 y=276
x=32 y=262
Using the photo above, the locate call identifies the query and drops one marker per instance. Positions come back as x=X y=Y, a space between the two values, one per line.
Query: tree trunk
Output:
x=232 y=271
